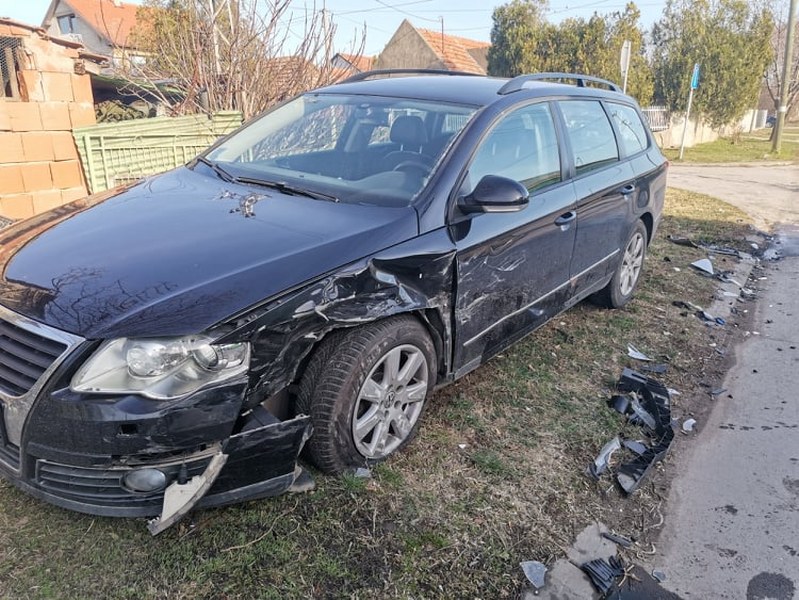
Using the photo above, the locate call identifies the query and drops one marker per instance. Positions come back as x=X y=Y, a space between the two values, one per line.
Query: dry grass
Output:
x=495 y=477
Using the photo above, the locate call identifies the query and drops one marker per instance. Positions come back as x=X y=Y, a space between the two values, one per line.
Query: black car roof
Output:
x=459 y=89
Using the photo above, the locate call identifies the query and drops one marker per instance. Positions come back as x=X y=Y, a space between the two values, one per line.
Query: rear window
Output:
x=632 y=132
x=590 y=133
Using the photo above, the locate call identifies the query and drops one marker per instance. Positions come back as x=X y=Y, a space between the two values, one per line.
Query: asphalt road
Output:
x=769 y=194
x=732 y=517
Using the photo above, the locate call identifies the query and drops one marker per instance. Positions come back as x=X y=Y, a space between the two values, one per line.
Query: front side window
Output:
x=522 y=146
x=590 y=133
x=631 y=130
x=359 y=149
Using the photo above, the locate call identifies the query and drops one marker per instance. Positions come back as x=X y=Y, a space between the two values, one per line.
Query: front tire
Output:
x=619 y=291
x=365 y=390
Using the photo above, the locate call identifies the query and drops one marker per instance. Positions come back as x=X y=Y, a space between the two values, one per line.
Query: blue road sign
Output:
x=695 y=77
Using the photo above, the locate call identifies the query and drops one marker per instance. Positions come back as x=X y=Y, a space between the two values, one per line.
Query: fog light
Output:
x=145 y=480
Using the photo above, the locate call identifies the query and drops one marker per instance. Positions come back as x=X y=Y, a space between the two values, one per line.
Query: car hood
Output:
x=179 y=253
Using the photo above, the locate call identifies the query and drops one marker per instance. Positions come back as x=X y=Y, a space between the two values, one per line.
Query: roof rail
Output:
x=388 y=72
x=517 y=83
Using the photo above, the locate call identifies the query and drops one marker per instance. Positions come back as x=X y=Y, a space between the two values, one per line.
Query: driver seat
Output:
x=409 y=132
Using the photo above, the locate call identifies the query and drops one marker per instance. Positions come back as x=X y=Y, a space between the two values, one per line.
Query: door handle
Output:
x=565 y=218
x=627 y=190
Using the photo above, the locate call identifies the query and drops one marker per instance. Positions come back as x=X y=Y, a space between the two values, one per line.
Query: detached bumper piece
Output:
x=258 y=462
x=647 y=403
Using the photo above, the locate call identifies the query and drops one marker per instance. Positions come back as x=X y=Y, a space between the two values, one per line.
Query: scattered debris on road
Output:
x=617 y=539
x=704 y=266
x=604 y=573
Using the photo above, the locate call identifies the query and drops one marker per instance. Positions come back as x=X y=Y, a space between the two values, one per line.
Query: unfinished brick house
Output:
x=46 y=93
x=414 y=48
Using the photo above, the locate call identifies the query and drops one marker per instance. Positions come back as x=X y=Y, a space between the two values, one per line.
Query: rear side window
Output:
x=522 y=146
x=590 y=133
x=631 y=129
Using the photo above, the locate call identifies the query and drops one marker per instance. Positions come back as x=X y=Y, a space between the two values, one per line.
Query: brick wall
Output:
x=39 y=164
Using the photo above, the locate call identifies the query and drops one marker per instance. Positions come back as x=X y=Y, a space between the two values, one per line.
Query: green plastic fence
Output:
x=118 y=153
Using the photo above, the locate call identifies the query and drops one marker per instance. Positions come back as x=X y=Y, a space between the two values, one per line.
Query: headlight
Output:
x=160 y=368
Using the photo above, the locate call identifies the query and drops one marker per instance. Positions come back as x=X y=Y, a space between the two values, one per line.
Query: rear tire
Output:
x=365 y=390
x=621 y=288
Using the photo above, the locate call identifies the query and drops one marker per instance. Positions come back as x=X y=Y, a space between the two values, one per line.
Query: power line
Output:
x=382 y=8
x=405 y=12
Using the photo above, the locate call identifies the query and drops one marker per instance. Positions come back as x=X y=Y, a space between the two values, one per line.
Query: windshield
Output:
x=358 y=149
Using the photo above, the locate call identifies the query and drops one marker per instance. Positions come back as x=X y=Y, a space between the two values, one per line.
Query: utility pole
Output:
x=694 y=85
x=786 y=75
x=624 y=62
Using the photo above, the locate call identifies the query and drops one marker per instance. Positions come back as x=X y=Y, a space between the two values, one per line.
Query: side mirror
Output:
x=495 y=194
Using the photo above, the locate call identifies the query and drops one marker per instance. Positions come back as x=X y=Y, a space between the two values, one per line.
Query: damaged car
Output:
x=305 y=284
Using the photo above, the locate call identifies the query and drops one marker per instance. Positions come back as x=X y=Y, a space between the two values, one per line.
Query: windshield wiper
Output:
x=281 y=186
x=223 y=174
x=287 y=188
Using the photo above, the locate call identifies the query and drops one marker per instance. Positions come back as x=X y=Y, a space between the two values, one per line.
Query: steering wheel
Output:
x=410 y=166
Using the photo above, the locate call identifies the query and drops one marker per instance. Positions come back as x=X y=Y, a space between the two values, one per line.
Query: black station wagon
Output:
x=307 y=282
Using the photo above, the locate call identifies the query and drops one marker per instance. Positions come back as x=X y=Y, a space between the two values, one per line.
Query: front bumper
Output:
x=75 y=450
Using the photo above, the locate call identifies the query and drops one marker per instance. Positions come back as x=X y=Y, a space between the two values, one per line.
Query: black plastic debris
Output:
x=656 y=403
x=620 y=403
x=535 y=572
x=639 y=585
x=617 y=539
x=726 y=250
x=603 y=573
x=646 y=403
x=699 y=312
x=658 y=369
x=683 y=241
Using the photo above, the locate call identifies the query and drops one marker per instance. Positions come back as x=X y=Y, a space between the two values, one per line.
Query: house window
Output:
x=66 y=24
x=9 y=66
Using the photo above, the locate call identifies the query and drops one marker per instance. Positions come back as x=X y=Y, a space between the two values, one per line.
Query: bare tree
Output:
x=773 y=74
x=240 y=55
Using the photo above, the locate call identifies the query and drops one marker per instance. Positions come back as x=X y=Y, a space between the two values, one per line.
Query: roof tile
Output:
x=110 y=18
x=453 y=50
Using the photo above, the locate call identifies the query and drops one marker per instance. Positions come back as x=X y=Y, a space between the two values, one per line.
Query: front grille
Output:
x=24 y=357
x=103 y=486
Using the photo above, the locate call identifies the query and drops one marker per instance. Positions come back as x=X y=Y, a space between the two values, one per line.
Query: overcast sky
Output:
x=467 y=18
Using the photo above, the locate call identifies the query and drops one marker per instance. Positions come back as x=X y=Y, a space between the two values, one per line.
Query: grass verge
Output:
x=755 y=148
x=495 y=476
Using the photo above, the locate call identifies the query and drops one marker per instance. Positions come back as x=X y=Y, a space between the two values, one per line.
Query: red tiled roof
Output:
x=110 y=18
x=360 y=62
x=468 y=43
x=453 y=50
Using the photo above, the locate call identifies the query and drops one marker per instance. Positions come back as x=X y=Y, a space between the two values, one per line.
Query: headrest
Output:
x=408 y=130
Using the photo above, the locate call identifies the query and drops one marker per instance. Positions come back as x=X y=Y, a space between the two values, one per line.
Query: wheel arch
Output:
x=649 y=223
x=430 y=318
